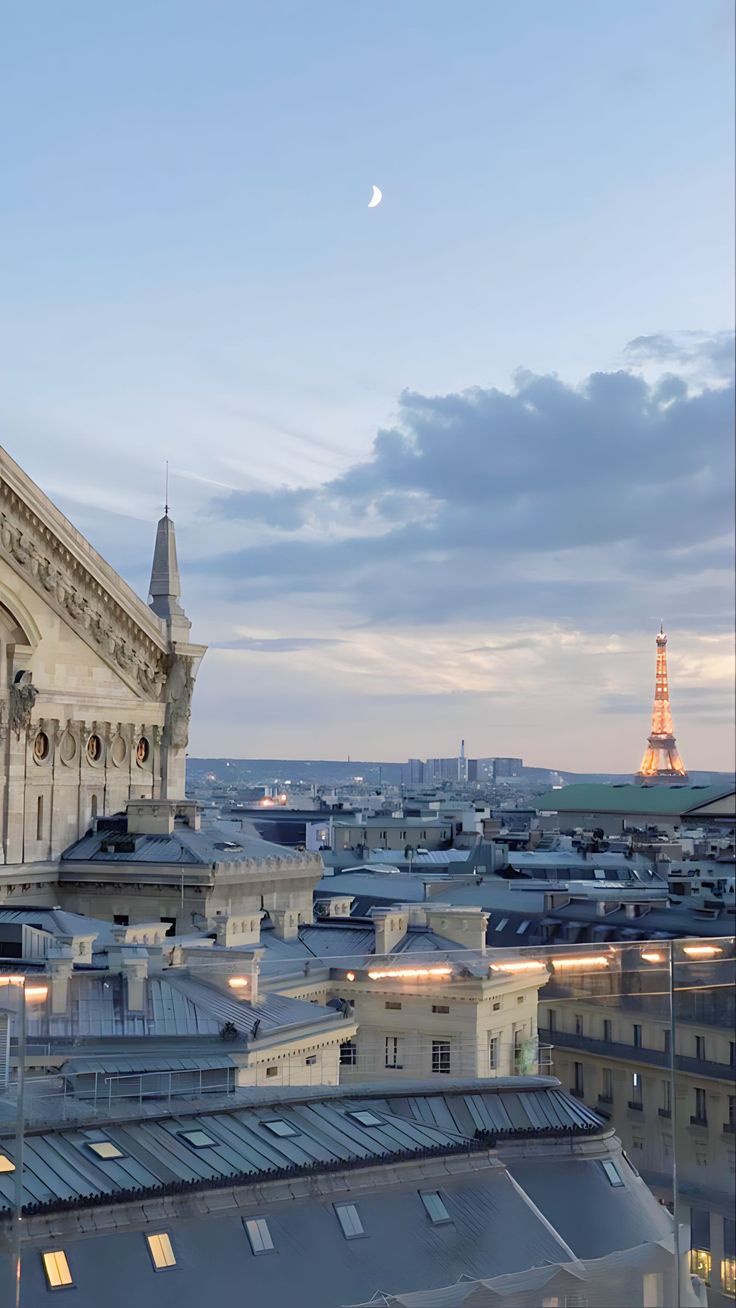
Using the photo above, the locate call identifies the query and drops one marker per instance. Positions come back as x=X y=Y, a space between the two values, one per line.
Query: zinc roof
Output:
x=589 y=797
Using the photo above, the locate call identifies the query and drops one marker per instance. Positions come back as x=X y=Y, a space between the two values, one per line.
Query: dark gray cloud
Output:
x=610 y=502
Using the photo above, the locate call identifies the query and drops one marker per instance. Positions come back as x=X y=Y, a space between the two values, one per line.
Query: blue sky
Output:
x=190 y=271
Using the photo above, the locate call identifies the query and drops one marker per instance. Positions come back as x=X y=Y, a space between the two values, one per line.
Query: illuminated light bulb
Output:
x=350 y=976
x=595 y=960
x=650 y=957
x=237 y=982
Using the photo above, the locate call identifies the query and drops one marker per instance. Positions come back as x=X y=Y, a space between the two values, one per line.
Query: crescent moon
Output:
x=376 y=198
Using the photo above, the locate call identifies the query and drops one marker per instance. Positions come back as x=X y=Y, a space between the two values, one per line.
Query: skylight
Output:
x=6 y=1164
x=365 y=1118
x=197 y=1139
x=434 y=1204
x=161 y=1251
x=611 y=1172
x=280 y=1127
x=349 y=1219
x=105 y=1149
x=259 y=1235
x=57 y=1270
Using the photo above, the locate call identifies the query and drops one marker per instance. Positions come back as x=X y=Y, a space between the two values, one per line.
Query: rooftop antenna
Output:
x=166 y=493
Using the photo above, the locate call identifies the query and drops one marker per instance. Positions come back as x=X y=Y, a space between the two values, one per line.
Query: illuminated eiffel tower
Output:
x=661 y=761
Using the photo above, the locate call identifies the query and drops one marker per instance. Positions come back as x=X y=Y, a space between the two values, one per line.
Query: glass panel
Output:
x=197 y=1139
x=280 y=1127
x=258 y=1234
x=365 y=1118
x=611 y=1172
x=161 y=1251
x=57 y=1270
x=105 y=1149
x=435 y=1207
x=349 y=1219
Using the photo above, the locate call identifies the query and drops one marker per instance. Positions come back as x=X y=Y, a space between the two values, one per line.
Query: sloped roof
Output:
x=590 y=797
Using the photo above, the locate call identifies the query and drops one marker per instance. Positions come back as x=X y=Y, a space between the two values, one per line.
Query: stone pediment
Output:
x=54 y=559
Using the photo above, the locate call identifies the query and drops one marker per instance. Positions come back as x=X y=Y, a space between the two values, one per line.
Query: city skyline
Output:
x=437 y=468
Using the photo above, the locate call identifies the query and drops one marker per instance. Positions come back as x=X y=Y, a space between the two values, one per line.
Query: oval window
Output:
x=142 y=751
x=94 y=749
x=41 y=747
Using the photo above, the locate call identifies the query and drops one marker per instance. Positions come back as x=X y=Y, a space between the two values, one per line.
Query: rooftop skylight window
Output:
x=611 y=1172
x=105 y=1149
x=349 y=1219
x=280 y=1127
x=434 y=1204
x=256 y=1229
x=365 y=1118
x=56 y=1267
x=161 y=1251
x=6 y=1164
x=197 y=1139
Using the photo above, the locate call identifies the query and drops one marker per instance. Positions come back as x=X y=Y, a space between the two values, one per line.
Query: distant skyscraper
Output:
x=661 y=761
x=462 y=764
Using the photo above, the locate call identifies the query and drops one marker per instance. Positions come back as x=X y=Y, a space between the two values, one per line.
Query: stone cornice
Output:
x=53 y=558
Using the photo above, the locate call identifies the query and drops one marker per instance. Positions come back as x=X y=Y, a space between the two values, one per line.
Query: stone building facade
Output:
x=95 y=685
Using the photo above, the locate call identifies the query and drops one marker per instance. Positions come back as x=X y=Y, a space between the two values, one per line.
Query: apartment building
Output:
x=612 y=1051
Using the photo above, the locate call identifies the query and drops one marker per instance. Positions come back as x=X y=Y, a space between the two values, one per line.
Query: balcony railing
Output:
x=639 y=1054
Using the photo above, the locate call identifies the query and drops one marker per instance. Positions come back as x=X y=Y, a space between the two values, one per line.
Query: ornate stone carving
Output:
x=179 y=688
x=23 y=696
x=36 y=554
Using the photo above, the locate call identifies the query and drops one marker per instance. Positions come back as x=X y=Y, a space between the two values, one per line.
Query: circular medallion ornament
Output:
x=118 y=751
x=94 y=748
x=41 y=747
x=142 y=751
x=67 y=748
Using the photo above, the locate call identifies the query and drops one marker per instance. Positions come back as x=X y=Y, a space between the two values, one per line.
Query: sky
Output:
x=438 y=468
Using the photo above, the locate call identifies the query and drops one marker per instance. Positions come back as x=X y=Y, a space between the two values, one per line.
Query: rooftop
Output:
x=653 y=800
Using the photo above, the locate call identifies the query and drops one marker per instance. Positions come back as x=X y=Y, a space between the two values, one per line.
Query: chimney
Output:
x=131 y=961
x=234 y=930
x=464 y=926
x=335 y=906
x=150 y=817
x=60 y=968
x=285 y=923
x=390 y=925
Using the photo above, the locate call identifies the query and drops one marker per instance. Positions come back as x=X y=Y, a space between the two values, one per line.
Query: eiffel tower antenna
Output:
x=661 y=761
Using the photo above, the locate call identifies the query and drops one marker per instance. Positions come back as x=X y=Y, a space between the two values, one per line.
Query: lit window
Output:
x=365 y=1118
x=611 y=1171
x=5 y=1164
x=105 y=1149
x=57 y=1271
x=701 y=1264
x=161 y=1251
x=349 y=1219
x=280 y=1127
x=728 y=1277
x=434 y=1204
x=197 y=1139
x=256 y=1229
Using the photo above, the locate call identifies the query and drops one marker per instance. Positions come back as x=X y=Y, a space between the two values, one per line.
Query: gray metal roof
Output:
x=59 y=1169
x=207 y=846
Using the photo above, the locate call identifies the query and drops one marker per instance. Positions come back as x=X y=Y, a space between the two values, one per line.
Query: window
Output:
x=637 y=1035
x=730 y=1123
x=39 y=818
x=701 y=1109
x=551 y=1019
x=434 y=1204
x=578 y=1024
x=496 y=1005
x=56 y=1268
x=652 y=1290
x=279 y=1127
x=440 y=1008
x=391 y=1052
x=701 y=1262
x=728 y=1262
x=700 y=1046
x=162 y=1254
x=522 y=927
x=365 y=1117
x=121 y=919
x=607 y=1085
x=5 y=1164
x=494 y=1049
x=607 y=1029
x=666 y=1109
x=392 y=1003
x=272 y=1071
x=500 y=925
x=732 y=1053
x=636 y=1101
x=349 y=1219
x=611 y=1171
x=311 y=1061
x=197 y=1139
x=520 y=999
x=666 y=1041
x=105 y=1149
x=441 y=1056
x=348 y=1054
x=256 y=1228
x=578 y=1079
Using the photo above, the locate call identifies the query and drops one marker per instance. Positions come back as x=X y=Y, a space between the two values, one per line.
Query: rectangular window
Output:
x=121 y=919
x=441 y=1056
x=731 y=1121
x=435 y=1206
x=311 y=1061
x=701 y=1264
x=611 y=1171
x=440 y=1008
x=578 y=1079
x=392 y=1003
x=701 y=1107
x=607 y=1085
x=578 y=1024
x=365 y=1117
x=197 y=1139
x=666 y=1109
x=272 y=1071
x=732 y=1053
x=494 y=1050
x=6 y=1165
x=391 y=1052
x=279 y=1127
x=500 y=925
x=105 y=1149
x=666 y=1041
x=551 y=1019
x=161 y=1251
x=728 y=1277
x=348 y=1054
x=256 y=1228
x=637 y=1035
x=519 y=999
x=701 y=1261
x=349 y=1219
x=39 y=818
x=522 y=927
x=700 y=1046
x=57 y=1270
x=496 y=1005
x=636 y=1101
x=607 y=1029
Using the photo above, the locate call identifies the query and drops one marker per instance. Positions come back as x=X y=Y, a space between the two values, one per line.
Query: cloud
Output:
x=609 y=502
x=709 y=355
x=276 y=644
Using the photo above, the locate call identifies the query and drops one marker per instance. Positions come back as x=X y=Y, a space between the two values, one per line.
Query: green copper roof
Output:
x=594 y=798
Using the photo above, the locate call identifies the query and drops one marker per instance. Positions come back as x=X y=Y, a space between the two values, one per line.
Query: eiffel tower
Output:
x=661 y=761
